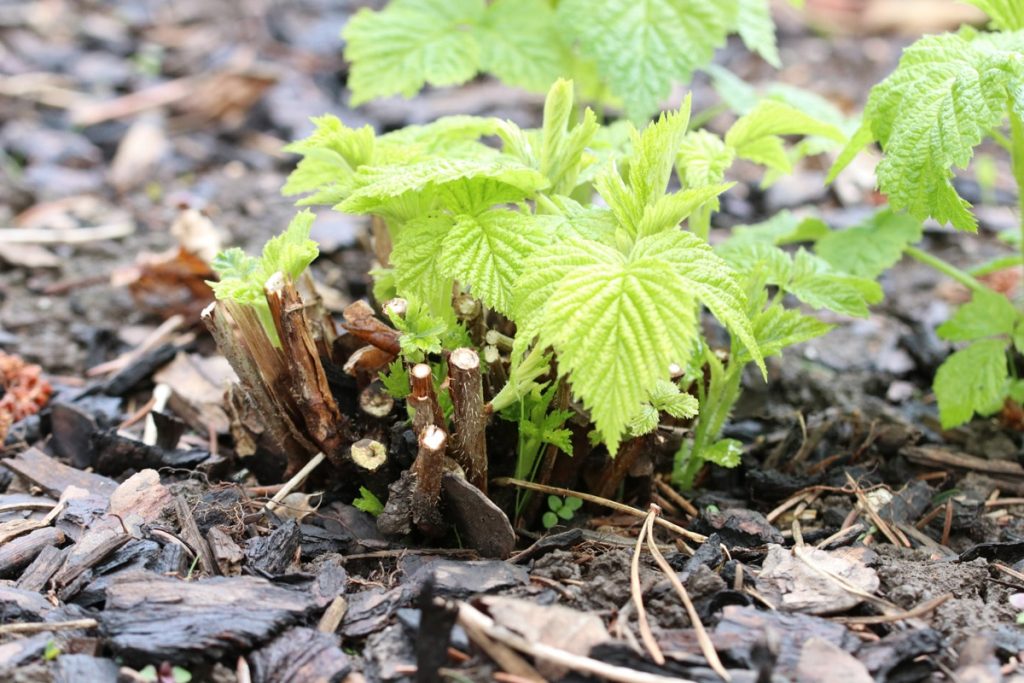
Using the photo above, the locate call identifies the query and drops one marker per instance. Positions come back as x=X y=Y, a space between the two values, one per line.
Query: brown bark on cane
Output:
x=616 y=470
x=324 y=421
x=280 y=427
x=361 y=322
x=469 y=442
x=423 y=399
x=428 y=471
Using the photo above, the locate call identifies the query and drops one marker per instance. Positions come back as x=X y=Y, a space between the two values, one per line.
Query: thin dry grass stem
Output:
x=597 y=500
x=1009 y=571
x=40 y=627
x=947 y=523
x=677 y=498
x=879 y=523
x=475 y=621
x=915 y=613
x=706 y=646
x=798 y=535
x=635 y=590
x=296 y=481
x=800 y=552
x=501 y=653
x=932 y=514
x=925 y=540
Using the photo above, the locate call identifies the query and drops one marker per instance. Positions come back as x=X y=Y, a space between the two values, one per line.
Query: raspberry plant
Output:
x=619 y=50
x=949 y=93
x=573 y=239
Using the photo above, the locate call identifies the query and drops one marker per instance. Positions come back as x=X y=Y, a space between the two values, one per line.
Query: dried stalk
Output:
x=614 y=505
x=375 y=401
x=703 y=639
x=423 y=399
x=281 y=429
x=474 y=620
x=616 y=470
x=637 y=593
x=469 y=439
x=295 y=482
x=427 y=471
x=361 y=323
x=324 y=421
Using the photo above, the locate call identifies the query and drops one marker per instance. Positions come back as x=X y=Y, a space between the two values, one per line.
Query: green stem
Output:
x=1017 y=157
x=716 y=405
x=946 y=268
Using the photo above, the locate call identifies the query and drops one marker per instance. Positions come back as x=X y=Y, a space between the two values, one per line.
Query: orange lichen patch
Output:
x=25 y=391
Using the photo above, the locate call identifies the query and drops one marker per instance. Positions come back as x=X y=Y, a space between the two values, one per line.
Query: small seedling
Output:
x=367 y=502
x=559 y=508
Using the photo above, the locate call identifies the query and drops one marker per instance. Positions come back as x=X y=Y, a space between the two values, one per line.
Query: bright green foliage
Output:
x=243 y=277
x=368 y=502
x=976 y=378
x=396 y=380
x=870 y=249
x=665 y=397
x=616 y=321
x=777 y=328
x=945 y=97
x=424 y=333
x=1007 y=15
x=640 y=48
x=614 y=288
x=807 y=277
x=972 y=380
x=632 y=50
x=756 y=136
x=447 y=42
x=558 y=508
x=987 y=314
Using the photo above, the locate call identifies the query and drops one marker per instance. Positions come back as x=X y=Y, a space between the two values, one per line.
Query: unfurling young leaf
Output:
x=242 y=278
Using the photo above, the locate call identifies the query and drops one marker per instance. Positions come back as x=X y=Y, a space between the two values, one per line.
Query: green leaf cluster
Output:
x=623 y=50
x=560 y=509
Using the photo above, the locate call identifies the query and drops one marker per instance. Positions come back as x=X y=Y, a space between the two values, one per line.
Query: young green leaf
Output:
x=416 y=256
x=396 y=380
x=331 y=155
x=382 y=186
x=945 y=96
x=818 y=286
x=987 y=314
x=777 y=327
x=756 y=135
x=617 y=321
x=487 y=252
x=972 y=380
x=752 y=20
x=641 y=48
x=242 y=278
x=869 y=249
x=724 y=453
x=412 y=42
x=368 y=502
x=563 y=146
x=1007 y=15
x=520 y=43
